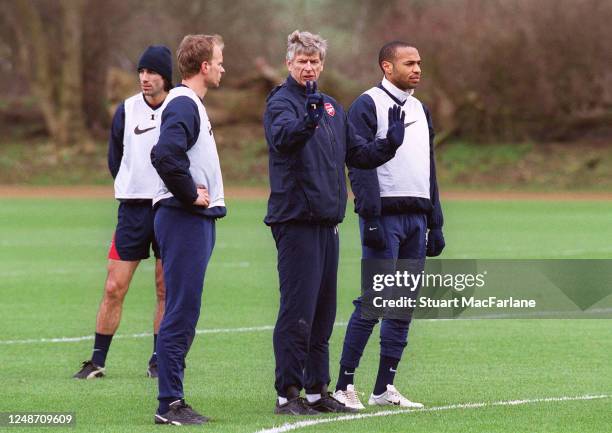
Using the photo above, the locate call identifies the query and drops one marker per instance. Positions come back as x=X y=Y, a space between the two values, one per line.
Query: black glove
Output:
x=395 y=130
x=314 y=103
x=435 y=242
x=374 y=234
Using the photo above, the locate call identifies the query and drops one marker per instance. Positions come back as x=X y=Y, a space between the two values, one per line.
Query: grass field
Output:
x=52 y=267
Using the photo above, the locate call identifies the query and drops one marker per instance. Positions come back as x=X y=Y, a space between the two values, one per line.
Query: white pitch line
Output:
x=144 y=335
x=307 y=423
x=271 y=327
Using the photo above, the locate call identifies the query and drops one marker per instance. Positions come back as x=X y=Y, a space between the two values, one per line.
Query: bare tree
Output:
x=63 y=52
x=105 y=25
x=509 y=69
x=52 y=65
x=493 y=69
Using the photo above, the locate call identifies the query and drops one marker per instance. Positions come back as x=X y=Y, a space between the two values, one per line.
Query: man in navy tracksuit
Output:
x=306 y=133
x=399 y=213
x=187 y=204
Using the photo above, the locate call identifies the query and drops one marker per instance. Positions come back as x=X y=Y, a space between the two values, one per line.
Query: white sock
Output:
x=313 y=397
x=282 y=400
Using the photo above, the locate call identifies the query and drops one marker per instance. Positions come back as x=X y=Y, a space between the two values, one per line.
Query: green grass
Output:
x=28 y=158
x=52 y=268
x=526 y=166
x=37 y=162
x=461 y=157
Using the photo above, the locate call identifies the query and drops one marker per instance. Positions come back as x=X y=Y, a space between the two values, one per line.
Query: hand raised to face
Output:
x=314 y=103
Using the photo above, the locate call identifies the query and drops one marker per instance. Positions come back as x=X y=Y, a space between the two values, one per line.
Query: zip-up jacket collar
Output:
x=294 y=86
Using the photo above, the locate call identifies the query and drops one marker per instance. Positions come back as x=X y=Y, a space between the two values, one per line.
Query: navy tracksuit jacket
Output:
x=307 y=201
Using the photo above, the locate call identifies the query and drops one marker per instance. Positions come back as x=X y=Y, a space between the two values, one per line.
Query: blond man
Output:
x=187 y=205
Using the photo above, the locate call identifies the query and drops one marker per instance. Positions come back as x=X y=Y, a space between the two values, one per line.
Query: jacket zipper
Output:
x=333 y=149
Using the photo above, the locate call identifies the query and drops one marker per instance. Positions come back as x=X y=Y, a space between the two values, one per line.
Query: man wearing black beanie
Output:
x=158 y=59
x=134 y=131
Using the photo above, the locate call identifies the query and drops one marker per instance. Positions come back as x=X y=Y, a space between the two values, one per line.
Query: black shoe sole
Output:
x=98 y=375
x=165 y=421
x=279 y=411
x=297 y=414
x=320 y=407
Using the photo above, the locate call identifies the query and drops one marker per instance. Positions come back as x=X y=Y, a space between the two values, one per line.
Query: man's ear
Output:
x=387 y=66
x=204 y=66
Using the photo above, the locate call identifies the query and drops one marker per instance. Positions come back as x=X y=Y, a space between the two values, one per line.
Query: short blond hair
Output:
x=195 y=49
x=305 y=43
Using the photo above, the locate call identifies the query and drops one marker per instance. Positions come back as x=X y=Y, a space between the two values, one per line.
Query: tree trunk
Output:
x=59 y=90
x=99 y=38
x=34 y=61
x=73 y=131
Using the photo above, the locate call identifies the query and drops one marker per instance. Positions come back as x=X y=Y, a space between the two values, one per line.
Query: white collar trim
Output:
x=396 y=91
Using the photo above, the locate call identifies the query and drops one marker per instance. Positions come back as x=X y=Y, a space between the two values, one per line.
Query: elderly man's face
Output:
x=305 y=67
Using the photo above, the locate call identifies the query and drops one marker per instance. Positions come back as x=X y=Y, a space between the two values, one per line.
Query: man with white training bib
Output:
x=400 y=216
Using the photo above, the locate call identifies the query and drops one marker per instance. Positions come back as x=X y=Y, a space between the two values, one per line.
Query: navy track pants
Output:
x=186 y=243
x=406 y=239
x=308 y=272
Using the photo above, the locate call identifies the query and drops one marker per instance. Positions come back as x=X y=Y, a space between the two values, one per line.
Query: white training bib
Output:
x=407 y=173
x=137 y=178
x=204 y=165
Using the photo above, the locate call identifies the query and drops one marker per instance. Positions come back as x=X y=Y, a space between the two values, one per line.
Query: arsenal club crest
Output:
x=330 y=109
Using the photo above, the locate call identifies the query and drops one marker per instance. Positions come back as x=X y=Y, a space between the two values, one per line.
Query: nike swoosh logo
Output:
x=349 y=374
x=372 y=229
x=392 y=370
x=139 y=131
x=406 y=125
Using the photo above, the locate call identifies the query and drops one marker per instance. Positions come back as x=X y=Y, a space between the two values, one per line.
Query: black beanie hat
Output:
x=157 y=58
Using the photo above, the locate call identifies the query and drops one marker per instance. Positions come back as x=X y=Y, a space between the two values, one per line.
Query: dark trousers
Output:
x=186 y=243
x=406 y=239
x=308 y=271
